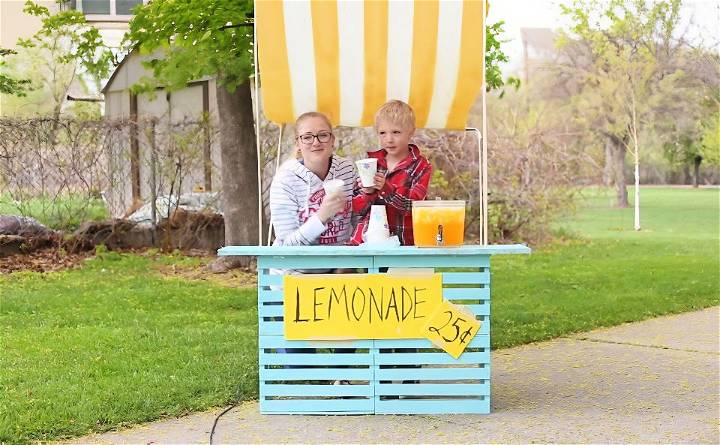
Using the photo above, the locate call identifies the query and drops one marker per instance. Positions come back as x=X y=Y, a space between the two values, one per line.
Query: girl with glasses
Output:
x=302 y=213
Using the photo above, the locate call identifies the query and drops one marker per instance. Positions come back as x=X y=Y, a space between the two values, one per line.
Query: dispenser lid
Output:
x=439 y=203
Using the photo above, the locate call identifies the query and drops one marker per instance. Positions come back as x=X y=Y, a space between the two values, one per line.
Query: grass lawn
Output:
x=613 y=274
x=61 y=213
x=115 y=343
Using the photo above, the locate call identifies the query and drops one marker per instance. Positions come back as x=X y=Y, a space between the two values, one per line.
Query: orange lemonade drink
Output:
x=429 y=215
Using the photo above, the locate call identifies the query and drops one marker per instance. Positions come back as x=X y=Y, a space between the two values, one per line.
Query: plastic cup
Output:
x=367 y=169
x=374 y=237
x=378 y=220
x=333 y=186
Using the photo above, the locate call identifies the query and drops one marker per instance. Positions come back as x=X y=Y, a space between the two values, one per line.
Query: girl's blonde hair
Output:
x=308 y=115
x=397 y=112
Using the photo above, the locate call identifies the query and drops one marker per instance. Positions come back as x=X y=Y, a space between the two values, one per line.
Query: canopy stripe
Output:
x=345 y=58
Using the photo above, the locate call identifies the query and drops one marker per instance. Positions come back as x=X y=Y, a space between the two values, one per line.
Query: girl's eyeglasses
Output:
x=308 y=138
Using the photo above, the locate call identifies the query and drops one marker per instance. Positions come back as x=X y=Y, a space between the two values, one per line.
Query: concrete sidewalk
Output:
x=649 y=382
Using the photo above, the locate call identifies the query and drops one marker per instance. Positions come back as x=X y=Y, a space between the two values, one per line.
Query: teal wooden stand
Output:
x=386 y=376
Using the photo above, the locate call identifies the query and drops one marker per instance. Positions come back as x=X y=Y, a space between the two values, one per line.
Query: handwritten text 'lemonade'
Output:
x=363 y=306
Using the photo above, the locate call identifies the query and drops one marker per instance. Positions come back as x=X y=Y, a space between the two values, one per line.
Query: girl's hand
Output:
x=331 y=206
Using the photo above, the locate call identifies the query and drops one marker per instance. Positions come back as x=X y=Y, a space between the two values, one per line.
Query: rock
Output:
x=185 y=230
x=23 y=226
x=11 y=244
x=115 y=234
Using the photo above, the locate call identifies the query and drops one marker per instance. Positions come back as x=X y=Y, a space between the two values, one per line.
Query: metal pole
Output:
x=153 y=183
x=257 y=133
x=277 y=166
x=483 y=154
x=481 y=185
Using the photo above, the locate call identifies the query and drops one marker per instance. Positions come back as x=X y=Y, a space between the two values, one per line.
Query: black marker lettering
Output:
x=392 y=303
x=297 y=307
x=355 y=292
x=418 y=302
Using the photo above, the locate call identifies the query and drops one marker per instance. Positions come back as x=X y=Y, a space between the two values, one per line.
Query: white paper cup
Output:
x=367 y=169
x=374 y=237
x=378 y=220
x=333 y=186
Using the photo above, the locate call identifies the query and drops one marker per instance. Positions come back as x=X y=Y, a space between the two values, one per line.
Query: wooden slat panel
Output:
x=316 y=390
x=266 y=279
x=439 y=406
x=280 y=342
x=300 y=359
x=445 y=385
x=314 y=262
x=267 y=327
x=433 y=389
x=430 y=358
x=479 y=341
x=334 y=406
x=434 y=261
x=270 y=374
x=466 y=277
x=267 y=296
x=271 y=328
x=275 y=310
x=466 y=293
x=354 y=251
x=479 y=309
x=423 y=374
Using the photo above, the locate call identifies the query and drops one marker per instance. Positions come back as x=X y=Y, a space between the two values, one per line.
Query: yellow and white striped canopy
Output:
x=345 y=58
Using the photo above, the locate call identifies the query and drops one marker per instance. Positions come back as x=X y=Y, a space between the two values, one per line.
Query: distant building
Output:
x=110 y=17
x=173 y=112
x=538 y=49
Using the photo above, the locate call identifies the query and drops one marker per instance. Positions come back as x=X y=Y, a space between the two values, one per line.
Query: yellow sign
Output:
x=451 y=328
x=359 y=306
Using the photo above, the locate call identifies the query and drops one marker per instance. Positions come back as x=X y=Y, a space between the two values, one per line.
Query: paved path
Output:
x=649 y=382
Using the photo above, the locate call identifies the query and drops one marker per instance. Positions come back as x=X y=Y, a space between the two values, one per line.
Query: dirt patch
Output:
x=53 y=260
x=46 y=260
x=231 y=278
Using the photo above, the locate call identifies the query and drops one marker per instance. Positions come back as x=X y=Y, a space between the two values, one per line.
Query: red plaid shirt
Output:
x=406 y=183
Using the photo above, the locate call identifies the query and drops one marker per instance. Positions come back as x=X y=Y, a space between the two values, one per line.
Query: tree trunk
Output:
x=686 y=176
x=607 y=176
x=637 y=195
x=696 y=177
x=239 y=170
x=618 y=152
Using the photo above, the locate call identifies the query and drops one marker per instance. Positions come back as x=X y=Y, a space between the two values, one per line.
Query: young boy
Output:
x=403 y=174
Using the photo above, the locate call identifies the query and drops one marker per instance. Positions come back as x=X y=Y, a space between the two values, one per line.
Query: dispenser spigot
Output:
x=439 y=237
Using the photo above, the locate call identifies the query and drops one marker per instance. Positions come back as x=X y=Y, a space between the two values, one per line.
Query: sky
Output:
x=701 y=17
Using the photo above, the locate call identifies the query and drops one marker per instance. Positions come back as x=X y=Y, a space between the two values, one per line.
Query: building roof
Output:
x=116 y=71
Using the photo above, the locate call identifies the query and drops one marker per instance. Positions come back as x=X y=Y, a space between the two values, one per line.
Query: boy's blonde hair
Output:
x=397 y=112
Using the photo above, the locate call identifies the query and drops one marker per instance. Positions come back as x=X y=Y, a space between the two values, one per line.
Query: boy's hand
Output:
x=379 y=180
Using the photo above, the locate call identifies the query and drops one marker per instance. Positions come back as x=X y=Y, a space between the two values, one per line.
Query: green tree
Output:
x=210 y=38
x=623 y=66
x=69 y=48
x=685 y=112
x=10 y=84
x=710 y=142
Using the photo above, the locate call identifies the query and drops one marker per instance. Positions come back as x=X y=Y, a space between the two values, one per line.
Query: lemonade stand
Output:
x=409 y=332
